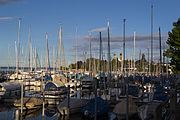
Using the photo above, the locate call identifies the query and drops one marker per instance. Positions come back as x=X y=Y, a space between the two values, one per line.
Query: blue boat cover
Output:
x=48 y=77
x=147 y=80
x=102 y=107
x=50 y=87
x=72 y=77
x=165 y=84
x=133 y=90
x=159 y=94
x=131 y=78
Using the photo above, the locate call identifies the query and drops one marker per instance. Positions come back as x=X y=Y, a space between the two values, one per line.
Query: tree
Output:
x=174 y=47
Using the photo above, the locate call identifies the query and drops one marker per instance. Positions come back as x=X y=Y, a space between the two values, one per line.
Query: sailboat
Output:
x=120 y=108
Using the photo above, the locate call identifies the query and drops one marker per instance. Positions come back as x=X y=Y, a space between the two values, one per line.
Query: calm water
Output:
x=8 y=112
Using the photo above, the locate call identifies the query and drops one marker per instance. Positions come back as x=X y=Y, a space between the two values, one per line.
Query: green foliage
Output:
x=174 y=47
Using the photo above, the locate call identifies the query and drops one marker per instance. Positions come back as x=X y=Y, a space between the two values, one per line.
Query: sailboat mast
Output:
x=29 y=46
x=35 y=59
x=8 y=57
x=63 y=61
x=59 y=48
x=167 y=68
x=17 y=69
x=139 y=61
x=53 y=61
x=94 y=68
x=151 y=39
x=48 y=61
x=76 y=49
x=163 y=59
x=124 y=46
x=41 y=62
x=16 y=53
x=100 y=54
x=109 y=56
x=90 y=69
x=134 y=49
x=160 y=52
x=83 y=62
x=22 y=59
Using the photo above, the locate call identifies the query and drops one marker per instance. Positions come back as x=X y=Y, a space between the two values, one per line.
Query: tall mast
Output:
x=151 y=39
x=21 y=56
x=76 y=49
x=90 y=69
x=35 y=59
x=122 y=63
x=53 y=61
x=59 y=48
x=41 y=62
x=167 y=68
x=129 y=66
x=124 y=20
x=160 y=53
x=100 y=53
x=63 y=62
x=47 y=58
x=163 y=59
x=16 y=53
x=31 y=56
x=143 y=59
x=134 y=49
x=8 y=57
x=17 y=69
x=109 y=56
x=131 y=63
x=83 y=61
x=29 y=46
x=139 y=61
x=94 y=70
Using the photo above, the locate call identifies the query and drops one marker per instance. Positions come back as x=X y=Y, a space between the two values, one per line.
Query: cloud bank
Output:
x=6 y=18
x=4 y=2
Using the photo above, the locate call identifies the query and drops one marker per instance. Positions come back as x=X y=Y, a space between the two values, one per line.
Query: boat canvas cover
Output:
x=160 y=94
x=11 y=85
x=120 y=108
x=53 y=85
x=102 y=107
x=73 y=103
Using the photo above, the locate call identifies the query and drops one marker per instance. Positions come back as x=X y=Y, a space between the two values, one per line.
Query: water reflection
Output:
x=28 y=113
x=9 y=112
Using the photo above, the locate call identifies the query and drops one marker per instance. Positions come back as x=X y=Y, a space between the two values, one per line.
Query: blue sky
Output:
x=46 y=16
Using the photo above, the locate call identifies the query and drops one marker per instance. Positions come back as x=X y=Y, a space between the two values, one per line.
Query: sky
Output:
x=85 y=15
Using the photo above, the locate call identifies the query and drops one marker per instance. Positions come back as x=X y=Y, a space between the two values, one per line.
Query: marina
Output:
x=100 y=76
